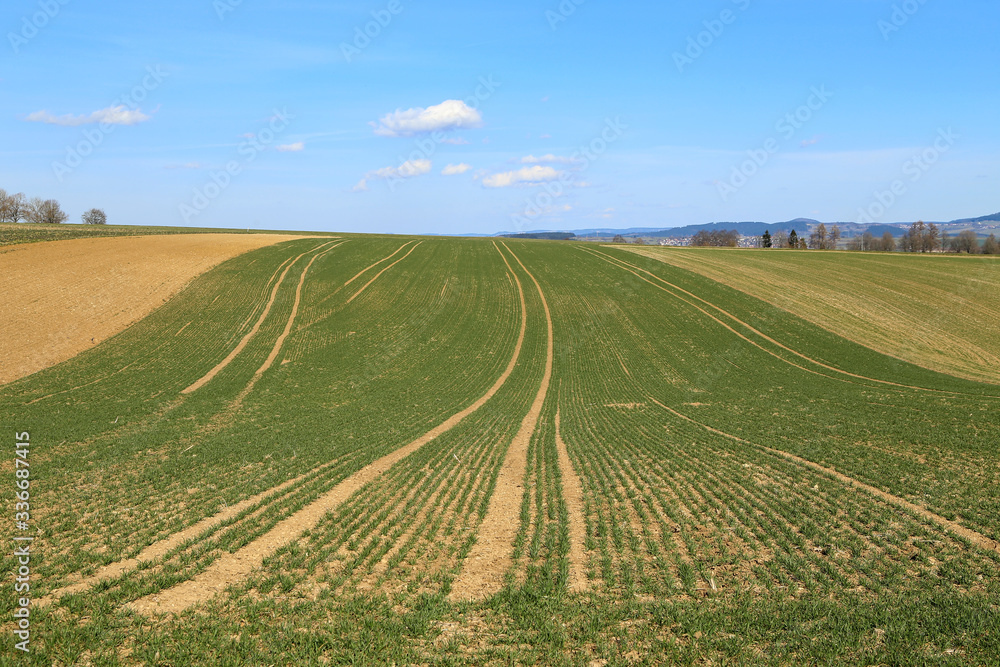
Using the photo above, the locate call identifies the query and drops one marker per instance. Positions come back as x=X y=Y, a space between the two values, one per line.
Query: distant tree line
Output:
x=920 y=237
x=716 y=239
x=968 y=242
x=15 y=208
x=783 y=239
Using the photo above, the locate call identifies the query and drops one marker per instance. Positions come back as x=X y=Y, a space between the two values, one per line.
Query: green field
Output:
x=690 y=412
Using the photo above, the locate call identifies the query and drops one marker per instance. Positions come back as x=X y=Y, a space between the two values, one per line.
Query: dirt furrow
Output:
x=379 y=274
x=246 y=339
x=284 y=334
x=573 y=495
x=234 y=567
x=628 y=267
x=484 y=568
x=165 y=546
x=372 y=266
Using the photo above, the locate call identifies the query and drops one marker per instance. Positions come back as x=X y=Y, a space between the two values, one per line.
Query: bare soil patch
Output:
x=64 y=297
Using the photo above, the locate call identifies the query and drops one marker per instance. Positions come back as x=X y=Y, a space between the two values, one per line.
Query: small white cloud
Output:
x=545 y=136
x=810 y=142
x=456 y=169
x=548 y=159
x=527 y=176
x=457 y=141
x=449 y=115
x=291 y=148
x=116 y=115
x=408 y=169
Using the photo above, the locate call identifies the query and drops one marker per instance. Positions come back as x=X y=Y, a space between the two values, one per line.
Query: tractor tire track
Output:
x=573 y=495
x=253 y=332
x=379 y=274
x=372 y=266
x=629 y=267
x=234 y=567
x=491 y=556
x=165 y=546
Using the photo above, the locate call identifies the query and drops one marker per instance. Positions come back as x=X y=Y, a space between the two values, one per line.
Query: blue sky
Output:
x=456 y=117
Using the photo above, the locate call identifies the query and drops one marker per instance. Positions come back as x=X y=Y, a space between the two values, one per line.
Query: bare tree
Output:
x=46 y=212
x=13 y=208
x=834 y=238
x=967 y=241
x=991 y=246
x=779 y=239
x=817 y=239
x=95 y=216
x=888 y=243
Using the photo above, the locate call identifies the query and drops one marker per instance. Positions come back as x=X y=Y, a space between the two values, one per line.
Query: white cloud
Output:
x=291 y=148
x=455 y=169
x=116 y=115
x=449 y=115
x=408 y=169
x=548 y=159
x=528 y=175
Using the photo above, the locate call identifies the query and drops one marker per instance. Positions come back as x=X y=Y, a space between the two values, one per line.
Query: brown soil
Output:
x=64 y=297
x=231 y=568
x=491 y=556
x=972 y=536
x=573 y=494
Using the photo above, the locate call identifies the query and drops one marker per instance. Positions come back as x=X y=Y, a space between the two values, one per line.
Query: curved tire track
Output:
x=491 y=556
x=234 y=567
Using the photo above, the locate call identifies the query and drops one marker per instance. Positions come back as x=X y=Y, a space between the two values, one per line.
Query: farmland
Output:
x=377 y=450
x=931 y=311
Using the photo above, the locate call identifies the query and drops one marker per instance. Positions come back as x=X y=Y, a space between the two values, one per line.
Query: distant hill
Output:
x=986 y=218
x=801 y=225
x=551 y=236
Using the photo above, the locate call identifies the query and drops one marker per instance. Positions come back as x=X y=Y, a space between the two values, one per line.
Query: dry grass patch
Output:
x=939 y=312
